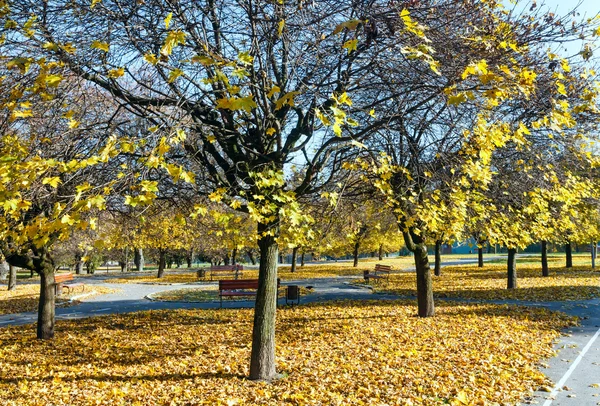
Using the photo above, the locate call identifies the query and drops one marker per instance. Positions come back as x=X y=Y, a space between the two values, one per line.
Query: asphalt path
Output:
x=575 y=369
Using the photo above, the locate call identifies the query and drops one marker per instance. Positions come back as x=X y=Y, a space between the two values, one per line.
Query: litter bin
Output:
x=292 y=294
x=366 y=275
x=201 y=273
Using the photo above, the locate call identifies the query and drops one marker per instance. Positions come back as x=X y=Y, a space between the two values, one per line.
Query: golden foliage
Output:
x=26 y=297
x=470 y=282
x=346 y=353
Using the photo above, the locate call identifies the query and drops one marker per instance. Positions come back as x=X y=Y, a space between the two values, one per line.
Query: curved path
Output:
x=576 y=368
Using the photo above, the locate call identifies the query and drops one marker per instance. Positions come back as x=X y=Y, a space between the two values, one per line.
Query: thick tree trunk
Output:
x=138 y=259
x=79 y=267
x=4 y=270
x=12 y=277
x=545 y=271
x=437 y=269
x=480 y=257
x=234 y=256
x=512 y=268
x=190 y=259
x=355 y=253
x=161 y=263
x=424 y=282
x=226 y=259
x=45 y=325
x=302 y=259
x=569 y=255
x=262 y=361
x=294 y=258
x=123 y=265
x=381 y=252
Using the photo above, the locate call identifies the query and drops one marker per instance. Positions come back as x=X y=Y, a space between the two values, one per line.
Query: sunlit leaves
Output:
x=174 y=38
x=102 y=46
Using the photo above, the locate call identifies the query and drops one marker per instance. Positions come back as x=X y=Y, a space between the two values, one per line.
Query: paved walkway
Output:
x=576 y=368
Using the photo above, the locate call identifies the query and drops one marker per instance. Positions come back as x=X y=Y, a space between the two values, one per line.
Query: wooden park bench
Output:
x=380 y=272
x=242 y=287
x=61 y=281
x=235 y=270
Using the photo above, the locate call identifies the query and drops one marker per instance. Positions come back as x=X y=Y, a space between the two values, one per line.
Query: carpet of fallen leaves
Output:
x=339 y=353
x=26 y=297
x=470 y=282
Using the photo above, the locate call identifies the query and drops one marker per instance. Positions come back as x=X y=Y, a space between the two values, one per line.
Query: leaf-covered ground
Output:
x=470 y=282
x=344 y=353
x=26 y=297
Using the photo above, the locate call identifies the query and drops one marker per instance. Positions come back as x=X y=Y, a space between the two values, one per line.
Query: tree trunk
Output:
x=234 y=256
x=45 y=324
x=593 y=251
x=355 y=253
x=512 y=268
x=161 y=263
x=226 y=259
x=79 y=267
x=294 y=258
x=437 y=269
x=569 y=254
x=381 y=252
x=302 y=259
x=252 y=258
x=4 y=270
x=262 y=361
x=190 y=259
x=545 y=271
x=415 y=243
x=12 y=277
x=138 y=259
x=480 y=257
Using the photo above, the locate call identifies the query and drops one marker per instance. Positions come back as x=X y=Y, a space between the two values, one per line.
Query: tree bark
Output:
x=294 y=258
x=512 y=268
x=226 y=259
x=4 y=270
x=190 y=258
x=437 y=269
x=569 y=255
x=251 y=256
x=593 y=251
x=45 y=325
x=416 y=244
x=262 y=360
x=545 y=270
x=355 y=253
x=12 y=277
x=480 y=257
x=381 y=252
x=79 y=267
x=302 y=259
x=161 y=263
x=138 y=259
x=234 y=256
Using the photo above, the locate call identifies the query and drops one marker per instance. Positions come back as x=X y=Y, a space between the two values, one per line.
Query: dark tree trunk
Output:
x=294 y=258
x=372 y=254
x=437 y=269
x=416 y=244
x=569 y=254
x=161 y=263
x=138 y=259
x=189 y=259
x=281 y=259
x=12 y=277
x=226 y=259
x=545 y=271
x=262 y=361
x=79 y=266
x=31 y=272
x=234 y=256
x=512 y=268
x=381 y=252
x=45 y=325
x=480 y=257
x=355 y=253
x=302 y=259
x=250 y=254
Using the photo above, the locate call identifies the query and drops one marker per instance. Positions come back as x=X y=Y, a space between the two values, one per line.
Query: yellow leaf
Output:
x=103 y=46
x=350 y=45
x=52 y=181
x=116 y=73
x=168 y=20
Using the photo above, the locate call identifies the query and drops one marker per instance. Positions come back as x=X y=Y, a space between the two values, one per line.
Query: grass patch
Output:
x=348 y=353
x=470 y=282
x=26 y=297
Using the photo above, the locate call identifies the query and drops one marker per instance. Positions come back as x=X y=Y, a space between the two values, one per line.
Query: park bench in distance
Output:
x=242 y=287
x=234 y=270
x=62 y=280
x=381 y=272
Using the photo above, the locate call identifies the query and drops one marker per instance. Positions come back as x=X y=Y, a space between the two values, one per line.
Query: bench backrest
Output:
x=382 y=268
x=241 y=284
x=63 y=277
x=227 y=268
x=238 y=284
